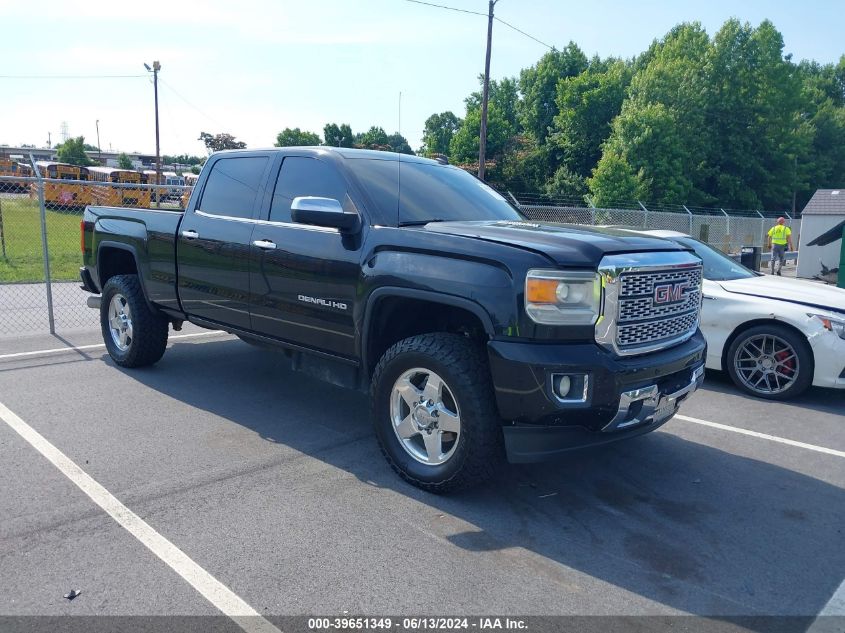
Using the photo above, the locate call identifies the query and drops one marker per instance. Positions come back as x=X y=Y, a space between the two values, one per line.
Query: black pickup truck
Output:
x=478 y=333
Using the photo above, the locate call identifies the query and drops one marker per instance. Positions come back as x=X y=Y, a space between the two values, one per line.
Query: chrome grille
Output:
x=651 y=331
x=635 y=284
x=652 y=301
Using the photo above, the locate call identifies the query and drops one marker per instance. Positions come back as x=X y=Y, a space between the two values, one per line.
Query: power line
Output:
x=174 y=91
x=70 y=76
x=443 y=6
x=498 y=19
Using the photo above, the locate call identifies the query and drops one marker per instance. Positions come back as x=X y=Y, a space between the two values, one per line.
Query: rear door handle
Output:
x=190 y=235
x=267 y=245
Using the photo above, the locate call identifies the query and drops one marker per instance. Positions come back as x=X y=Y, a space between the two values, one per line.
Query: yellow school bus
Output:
x=9 y=167
x=190 y=182
x=156 y=193
x=69 y=196
x=118 y=196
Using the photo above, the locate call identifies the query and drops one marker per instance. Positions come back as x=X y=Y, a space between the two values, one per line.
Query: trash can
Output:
x=751 y=257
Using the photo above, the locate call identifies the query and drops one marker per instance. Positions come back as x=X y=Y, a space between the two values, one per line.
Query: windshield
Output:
x=407 y=193
x=717 y=265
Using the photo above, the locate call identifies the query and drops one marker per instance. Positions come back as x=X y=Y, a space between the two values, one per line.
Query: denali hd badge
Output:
x=326 y=303
x=670 y=293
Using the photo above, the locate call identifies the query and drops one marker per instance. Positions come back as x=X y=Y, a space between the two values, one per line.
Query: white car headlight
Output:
x=837 y=327
x=563 y=297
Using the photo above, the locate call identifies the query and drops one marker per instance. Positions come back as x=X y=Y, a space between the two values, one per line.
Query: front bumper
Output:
x=829 y=357
x=625 y=396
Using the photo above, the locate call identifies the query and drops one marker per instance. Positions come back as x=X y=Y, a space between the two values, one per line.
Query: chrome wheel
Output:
x=766 y=364
x=425 y=416
x=120 y=322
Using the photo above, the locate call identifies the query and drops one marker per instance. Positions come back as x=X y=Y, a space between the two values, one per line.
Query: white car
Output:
x=774 y=336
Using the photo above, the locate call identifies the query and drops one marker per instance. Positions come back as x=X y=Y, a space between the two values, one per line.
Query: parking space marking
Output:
x=829 y=616
x=81 y=348
x=207 y=585
x=764 y=436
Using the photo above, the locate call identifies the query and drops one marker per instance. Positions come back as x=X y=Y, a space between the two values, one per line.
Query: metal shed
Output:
x=821 y=235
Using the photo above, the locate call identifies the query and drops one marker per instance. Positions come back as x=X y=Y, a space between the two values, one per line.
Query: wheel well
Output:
x=397 y=318
x=115 y=261
x=750 y=324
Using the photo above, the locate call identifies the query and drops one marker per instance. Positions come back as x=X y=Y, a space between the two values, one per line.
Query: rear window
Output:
x=232 y=186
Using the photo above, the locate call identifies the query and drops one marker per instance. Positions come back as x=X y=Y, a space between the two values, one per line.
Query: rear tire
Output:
x=434 y=412
x=771 y=362
x=134 y=334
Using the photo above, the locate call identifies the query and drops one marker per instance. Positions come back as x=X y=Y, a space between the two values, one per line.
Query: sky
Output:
x=252 y=68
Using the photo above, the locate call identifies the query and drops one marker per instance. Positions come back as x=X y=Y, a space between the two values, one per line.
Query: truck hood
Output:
x=566 y=244
x=807 y=293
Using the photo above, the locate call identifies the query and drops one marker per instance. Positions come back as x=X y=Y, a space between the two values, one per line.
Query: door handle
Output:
x=267 y=245
x=190 y=235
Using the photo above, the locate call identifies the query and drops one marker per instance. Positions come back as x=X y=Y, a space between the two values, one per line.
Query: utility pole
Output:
x=156 y=67
x=482 y=145
x=99 y=149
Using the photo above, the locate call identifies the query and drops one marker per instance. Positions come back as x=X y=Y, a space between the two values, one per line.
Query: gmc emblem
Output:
x=670 y=293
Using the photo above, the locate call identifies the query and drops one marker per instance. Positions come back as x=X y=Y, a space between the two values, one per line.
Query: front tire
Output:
x=135 y=335
x=434 y=412
x=771 y=362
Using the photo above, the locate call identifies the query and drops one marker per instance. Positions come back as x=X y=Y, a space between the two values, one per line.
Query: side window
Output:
x=232 y=186
x=302 y=176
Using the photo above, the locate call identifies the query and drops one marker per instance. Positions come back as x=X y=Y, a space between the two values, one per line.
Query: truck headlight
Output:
x=563 y=297
x=837 y=327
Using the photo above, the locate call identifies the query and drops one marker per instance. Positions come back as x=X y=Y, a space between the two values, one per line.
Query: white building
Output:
x=823 y=220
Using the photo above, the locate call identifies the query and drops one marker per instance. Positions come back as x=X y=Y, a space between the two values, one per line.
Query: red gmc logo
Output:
x=670 y=293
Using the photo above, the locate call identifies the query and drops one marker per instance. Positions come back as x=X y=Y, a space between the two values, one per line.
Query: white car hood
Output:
x=785 y=289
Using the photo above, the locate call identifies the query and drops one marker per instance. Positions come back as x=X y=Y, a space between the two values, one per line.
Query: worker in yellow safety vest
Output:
x=780 y=236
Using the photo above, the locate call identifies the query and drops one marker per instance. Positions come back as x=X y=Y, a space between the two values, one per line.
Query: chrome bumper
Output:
x=647 y=405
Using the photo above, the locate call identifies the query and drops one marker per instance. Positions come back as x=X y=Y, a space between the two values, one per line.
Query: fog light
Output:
x=563 y=386
x=570 y=387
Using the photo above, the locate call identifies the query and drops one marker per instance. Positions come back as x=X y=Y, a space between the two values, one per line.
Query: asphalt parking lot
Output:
x=271 y=483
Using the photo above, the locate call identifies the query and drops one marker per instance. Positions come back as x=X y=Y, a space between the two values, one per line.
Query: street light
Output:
x=99 y=149
x=154 y=70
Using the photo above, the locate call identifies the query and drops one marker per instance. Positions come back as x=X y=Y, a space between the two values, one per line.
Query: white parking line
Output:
x=831 y=615
x=211 y=589
x=80 y=348
x=764 y=436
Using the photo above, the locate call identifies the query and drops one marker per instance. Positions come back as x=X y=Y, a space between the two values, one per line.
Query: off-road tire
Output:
x=462 y=364
x=149 y=327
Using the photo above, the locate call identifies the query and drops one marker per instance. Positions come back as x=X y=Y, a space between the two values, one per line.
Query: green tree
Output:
x=754 y=97
x=374 y=138
x=296 y=137
x=338 y=135
x=438 y=132
x=538 y=85
x=613 y=182
x=218 y=142
x=587 y=104
x=124 y=162
x=399 y=144
x=72 y=151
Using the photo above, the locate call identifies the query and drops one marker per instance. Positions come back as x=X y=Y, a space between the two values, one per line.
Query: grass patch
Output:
x=22 y=234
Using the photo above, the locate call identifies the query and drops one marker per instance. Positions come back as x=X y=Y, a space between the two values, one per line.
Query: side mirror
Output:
x=323 y=212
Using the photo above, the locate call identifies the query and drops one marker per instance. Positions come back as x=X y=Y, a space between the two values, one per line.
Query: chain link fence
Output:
x=726 y=229
x=40 y=247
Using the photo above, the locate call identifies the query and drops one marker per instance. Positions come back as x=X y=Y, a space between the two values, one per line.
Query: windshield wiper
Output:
x=420 y=222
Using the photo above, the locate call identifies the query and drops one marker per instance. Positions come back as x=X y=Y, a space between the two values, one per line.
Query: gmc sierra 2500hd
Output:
x=478 y=333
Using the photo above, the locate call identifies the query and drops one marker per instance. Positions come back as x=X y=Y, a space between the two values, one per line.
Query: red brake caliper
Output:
x=789 y=365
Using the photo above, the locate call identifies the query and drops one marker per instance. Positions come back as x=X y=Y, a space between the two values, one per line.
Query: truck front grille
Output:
x=651 y=301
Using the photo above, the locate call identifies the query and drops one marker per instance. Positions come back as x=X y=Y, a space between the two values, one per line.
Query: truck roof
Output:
x=343 y=152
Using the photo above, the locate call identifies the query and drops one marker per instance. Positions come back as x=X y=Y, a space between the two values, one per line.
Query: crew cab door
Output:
x=213 y=245
x=304 y=277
